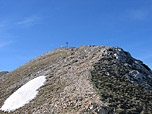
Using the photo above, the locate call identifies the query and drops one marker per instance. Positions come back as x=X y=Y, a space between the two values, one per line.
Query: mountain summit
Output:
x=82 y=80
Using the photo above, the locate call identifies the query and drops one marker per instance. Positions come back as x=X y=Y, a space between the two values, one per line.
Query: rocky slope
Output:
x=3 y=72
x=124 y=82
x=84 y=80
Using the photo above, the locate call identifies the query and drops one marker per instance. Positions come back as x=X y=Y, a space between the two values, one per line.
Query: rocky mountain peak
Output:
x=84 y=80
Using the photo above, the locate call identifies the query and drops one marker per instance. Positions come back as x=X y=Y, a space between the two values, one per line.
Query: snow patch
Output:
x=23 y=95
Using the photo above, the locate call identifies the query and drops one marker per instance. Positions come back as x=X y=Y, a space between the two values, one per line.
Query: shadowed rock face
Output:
x=124 y=82
x=83 y=80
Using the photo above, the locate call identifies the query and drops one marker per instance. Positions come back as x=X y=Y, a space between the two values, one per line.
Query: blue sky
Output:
x=29 y=28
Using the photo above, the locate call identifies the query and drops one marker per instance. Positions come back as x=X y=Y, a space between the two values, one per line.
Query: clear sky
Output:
x=29 y=28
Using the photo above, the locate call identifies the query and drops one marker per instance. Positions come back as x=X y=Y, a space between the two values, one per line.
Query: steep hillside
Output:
x=83 y=80
x=124 y=82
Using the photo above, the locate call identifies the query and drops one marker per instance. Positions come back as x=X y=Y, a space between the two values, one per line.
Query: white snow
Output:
x=23 y=95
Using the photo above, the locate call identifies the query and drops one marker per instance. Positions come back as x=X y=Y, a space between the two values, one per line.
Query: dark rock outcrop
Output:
x=124 y=82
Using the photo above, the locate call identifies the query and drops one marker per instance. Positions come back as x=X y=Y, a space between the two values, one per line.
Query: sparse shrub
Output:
x=110 y=49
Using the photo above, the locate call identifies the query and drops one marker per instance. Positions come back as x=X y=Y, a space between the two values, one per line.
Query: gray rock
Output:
x=3 y=72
